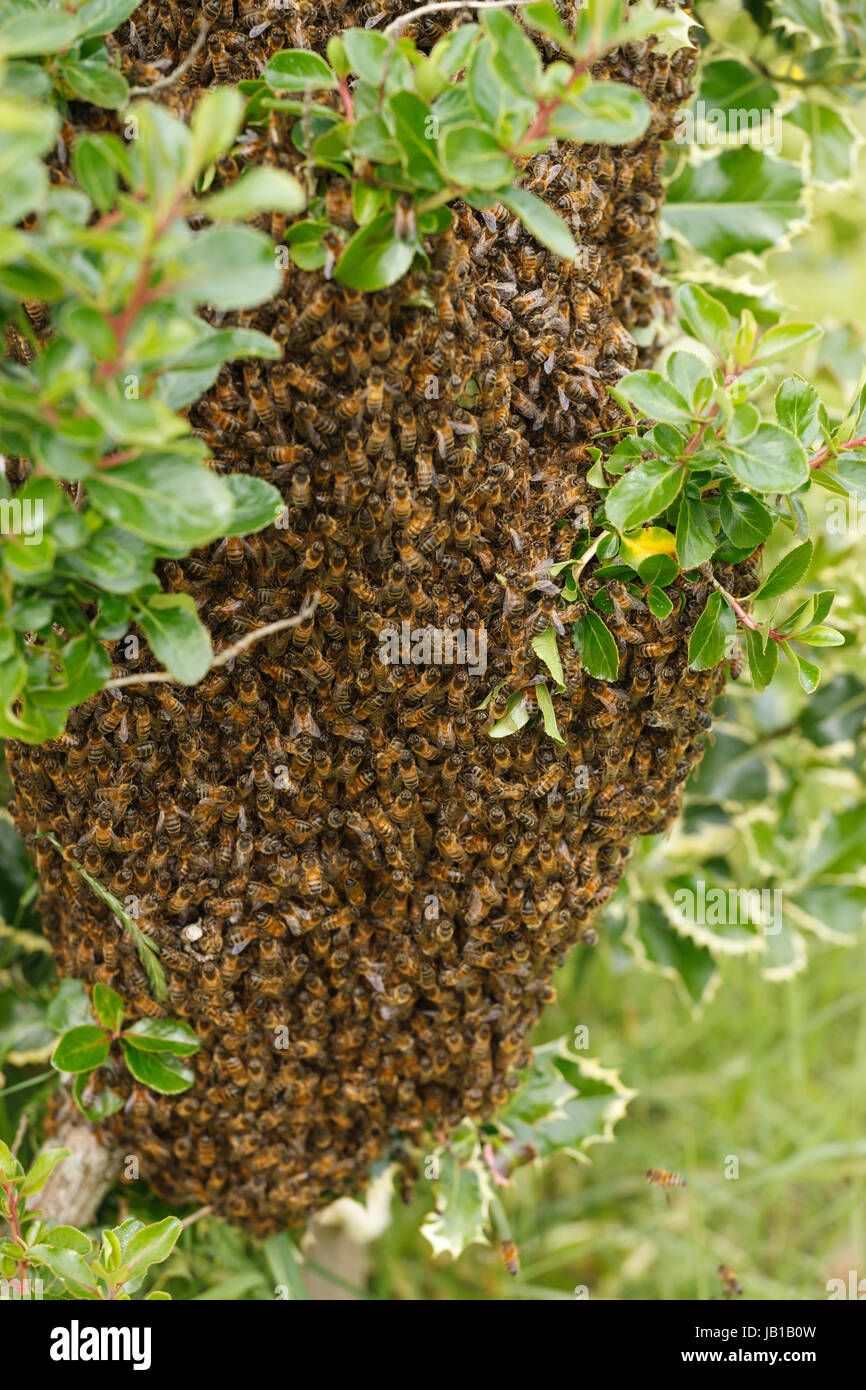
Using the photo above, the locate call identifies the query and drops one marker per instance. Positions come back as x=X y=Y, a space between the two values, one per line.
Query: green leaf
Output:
x=772 y=460
x=659 y=604
x=833 y=142
x=259 y=189
x=69 y=1006
x=81 y=1049
x=514 y=718
x=372 y=139
x=731 y=86
x=35 y=31
x=172 y=502
x=674 y=953
x=744 y=519
x=177 y=636
x=595 y=644
x=546 y=19
x=97 y=17
x=548 y=714
x=808 y=674
x=374 y=256
x=708 y=644
x=10 y=1168
x=85 y=324
x=256 y=504
x=799 y=409
x=295 y=69
x=367 y=52
x=817 y=19
x=228 y=268
x=851 y=472
x=659 y=570
x=652 y=395
x=546 y=647
x=787 y=574
x=108 y=1007
x=41 y=1169
x=609 y=113
x=742 y=200
x=643 y=493
x=112 y=560
x=306 y=245
x=85 y=668
x=472 y=157
x=784 y=338
x=106 y=1102
x=452 y=51
x=160 y=1071
x=695 y=539
x=162 y=1035
x=821 y=636
x=705 y=318
x=461 y=1214
x=67 y=1238
x=516 y=49
x=489 y=97
x=94 y=171
x=152 y=1245
x=412 y=128
x=94 y=82
x=214 y=125
x=68 y=1266
x=763 y=663
x=541 y=221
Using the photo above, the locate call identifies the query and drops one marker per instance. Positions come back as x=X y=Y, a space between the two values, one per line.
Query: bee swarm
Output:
x=359 y=897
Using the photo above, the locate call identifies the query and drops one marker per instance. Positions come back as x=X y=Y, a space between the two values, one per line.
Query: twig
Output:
x=20 y=1132
x=230 y=653
x=196 y=1216
x=740 y=611
x=397 y=24
x=179 y=71
x=223 y=657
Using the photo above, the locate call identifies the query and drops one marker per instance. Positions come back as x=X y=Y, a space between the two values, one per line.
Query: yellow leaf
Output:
x=651 y=540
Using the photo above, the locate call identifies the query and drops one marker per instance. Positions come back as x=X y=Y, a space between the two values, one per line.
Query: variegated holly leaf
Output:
x=566 y=1103
x=463 y=1192
x=833 y=141
x=742 y=200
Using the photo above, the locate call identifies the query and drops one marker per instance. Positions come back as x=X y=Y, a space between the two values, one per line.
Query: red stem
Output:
x=539 y=128
x=343 y=89
x=818 y=460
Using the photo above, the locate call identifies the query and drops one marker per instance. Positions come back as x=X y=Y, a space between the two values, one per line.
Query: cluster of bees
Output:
x=358 y=896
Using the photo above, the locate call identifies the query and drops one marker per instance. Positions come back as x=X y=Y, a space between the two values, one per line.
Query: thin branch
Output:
x=230 y=653
x=740 y=611
x=20 y=1132
x=196 y=1216
x=224 y=657
x=397 y=24
x=183 y=67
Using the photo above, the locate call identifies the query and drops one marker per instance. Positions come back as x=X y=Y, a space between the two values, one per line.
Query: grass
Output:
x=768 y=1078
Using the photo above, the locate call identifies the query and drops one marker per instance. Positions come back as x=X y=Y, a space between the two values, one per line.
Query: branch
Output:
x=181 y=68
x=397 y=24
x=224 y=657
x=74 y=1191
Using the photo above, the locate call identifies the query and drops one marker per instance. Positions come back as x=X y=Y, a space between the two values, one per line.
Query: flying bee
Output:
x=660 y=1177
x=731 y=1285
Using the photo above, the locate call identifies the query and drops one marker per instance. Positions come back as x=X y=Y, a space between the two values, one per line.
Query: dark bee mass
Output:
x=360 y=898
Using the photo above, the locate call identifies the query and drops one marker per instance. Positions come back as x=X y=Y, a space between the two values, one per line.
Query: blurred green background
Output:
x=743 y=1048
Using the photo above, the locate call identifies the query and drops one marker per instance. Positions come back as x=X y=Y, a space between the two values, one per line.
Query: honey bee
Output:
x=731 y=1285
x=660 y=1177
